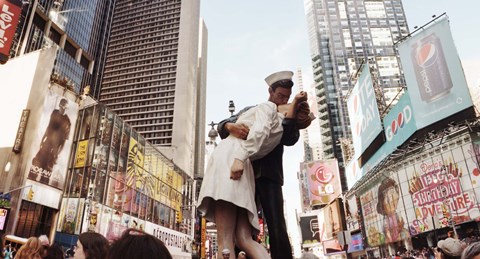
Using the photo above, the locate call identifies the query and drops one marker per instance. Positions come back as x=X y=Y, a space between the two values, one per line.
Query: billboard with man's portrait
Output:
x=50 y=148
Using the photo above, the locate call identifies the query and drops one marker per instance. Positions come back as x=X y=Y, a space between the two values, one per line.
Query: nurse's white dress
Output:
x=266 y=130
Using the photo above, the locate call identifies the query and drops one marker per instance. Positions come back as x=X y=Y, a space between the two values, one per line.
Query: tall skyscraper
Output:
x=344 y=34
x=153 y=78
x=78 y=28
x=312 y=142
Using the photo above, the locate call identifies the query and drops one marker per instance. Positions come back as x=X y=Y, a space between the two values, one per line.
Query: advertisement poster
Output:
x=310 y=230
x=365 y=121
x=10 y=12
x=323 y=181
x=332 y=219
x=81 y=154
x=69 y=215
x=51 y=145
x=356 y=243
x=383 y=212
x=351 y=213
x=4 y=213
x=434 y=74
x=441 y=190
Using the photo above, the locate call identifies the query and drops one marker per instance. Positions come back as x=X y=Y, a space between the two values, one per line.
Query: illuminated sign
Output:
x=9 y=13
x=81 y=156
x=4 y=213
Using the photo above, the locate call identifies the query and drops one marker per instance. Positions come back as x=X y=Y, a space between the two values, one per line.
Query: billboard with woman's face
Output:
x=435 y=189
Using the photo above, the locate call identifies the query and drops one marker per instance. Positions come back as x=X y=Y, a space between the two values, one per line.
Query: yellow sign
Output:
x=135 y=165
x=81 y=155
x=204 y=237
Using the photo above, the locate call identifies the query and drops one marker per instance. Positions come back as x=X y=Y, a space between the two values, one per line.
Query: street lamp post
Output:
x=231 y=107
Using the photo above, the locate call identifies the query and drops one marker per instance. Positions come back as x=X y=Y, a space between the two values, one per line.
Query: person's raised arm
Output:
x=229 y=126
x=291 y=134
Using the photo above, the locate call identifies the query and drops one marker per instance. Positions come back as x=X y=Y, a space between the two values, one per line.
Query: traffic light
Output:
x=179 y=216
x=30 y=194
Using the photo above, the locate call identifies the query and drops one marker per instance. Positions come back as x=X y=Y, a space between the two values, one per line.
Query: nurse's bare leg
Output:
x=244 y=239
x=225 y=219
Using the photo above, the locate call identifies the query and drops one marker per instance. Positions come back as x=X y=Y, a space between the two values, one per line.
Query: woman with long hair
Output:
x=32 y=249
x=91 y=245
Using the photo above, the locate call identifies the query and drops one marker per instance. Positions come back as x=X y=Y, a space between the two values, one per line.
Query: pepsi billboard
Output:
x=362 y=107
x=434 y=74
x=399 y=125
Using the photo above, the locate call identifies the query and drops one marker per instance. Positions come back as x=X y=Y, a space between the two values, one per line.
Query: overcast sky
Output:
x=250 y=39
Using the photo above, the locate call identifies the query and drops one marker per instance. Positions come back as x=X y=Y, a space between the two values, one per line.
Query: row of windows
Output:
x=145 y=88
x=146 y=66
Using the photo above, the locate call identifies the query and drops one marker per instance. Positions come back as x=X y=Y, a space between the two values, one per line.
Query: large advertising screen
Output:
x=356 y=243
x=52 y=142
x=432 y=190
x=434 y=74
x=362 y=106
x=323 y=181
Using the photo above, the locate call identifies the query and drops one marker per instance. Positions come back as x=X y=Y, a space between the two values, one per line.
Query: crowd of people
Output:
x=91 y=245
x=449 y=248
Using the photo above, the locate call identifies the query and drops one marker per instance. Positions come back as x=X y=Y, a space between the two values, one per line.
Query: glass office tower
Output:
x=80 y=29
x=344 y=34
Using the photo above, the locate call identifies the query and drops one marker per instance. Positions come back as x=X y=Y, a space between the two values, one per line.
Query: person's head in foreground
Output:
x=91 y=245
x=472 y=251
x=226 y=253
x=449 y=249
x=242 y=255
x=138 y=244
x=31 y=249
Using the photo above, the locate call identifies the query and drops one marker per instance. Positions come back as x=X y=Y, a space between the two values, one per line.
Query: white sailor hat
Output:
x=226 y=251
x=275 y=77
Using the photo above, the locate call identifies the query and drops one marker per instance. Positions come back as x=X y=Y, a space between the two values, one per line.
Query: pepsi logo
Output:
x=355 y=103
x=398 y=122
x=426 y=54
x=358 y=128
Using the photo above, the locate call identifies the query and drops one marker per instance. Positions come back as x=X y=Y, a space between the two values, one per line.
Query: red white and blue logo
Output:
x=426 y=55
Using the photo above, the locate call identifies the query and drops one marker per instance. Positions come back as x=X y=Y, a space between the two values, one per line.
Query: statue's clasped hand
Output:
x=236 y=170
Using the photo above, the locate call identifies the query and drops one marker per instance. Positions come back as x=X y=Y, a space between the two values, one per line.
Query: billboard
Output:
x=434 y=74
x=383 y=212
x=356 y=243
x=50 y=147
x=351 y=213
x=10 y=11
x=310 y=229
x=399 y=125
x=4 y=214
x=430 y=191
x=362 y=107
x=323 y=181
x=332 y=220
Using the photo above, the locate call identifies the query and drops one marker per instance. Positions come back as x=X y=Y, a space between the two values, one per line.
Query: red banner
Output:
x=9 y=14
